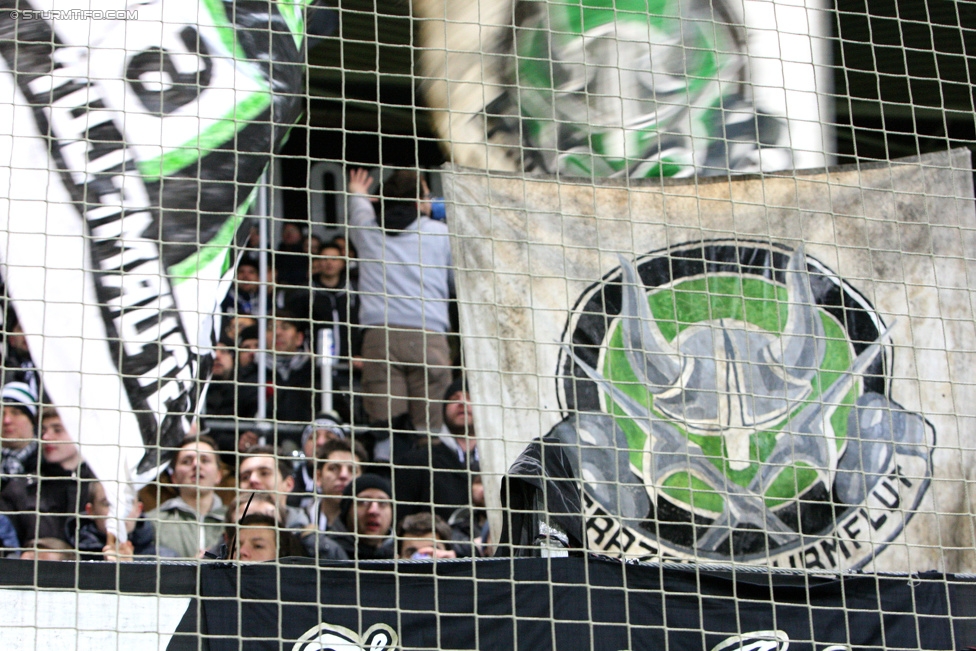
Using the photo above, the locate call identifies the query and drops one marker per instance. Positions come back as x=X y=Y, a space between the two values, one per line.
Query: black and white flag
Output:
x=131 y=137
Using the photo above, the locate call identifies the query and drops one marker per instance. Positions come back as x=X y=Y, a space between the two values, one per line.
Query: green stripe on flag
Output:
x=218 y=245
x=233 y=121
x=224 y=28
x=219 y=133
x=293 y=11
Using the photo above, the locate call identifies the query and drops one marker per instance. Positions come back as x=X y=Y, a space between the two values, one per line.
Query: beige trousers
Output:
x=406 y=370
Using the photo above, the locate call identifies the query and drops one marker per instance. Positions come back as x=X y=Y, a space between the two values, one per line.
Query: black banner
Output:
x=528 y=603
x=571 y=603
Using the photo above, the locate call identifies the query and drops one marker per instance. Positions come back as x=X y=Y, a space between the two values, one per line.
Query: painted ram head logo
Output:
x=727 y=376
x=734 y=414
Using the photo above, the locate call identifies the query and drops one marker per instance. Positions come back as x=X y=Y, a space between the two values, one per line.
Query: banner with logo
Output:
x=130 y=141
x=560 y=603
x=569 y=603
x=769 y=370
x=618 y=88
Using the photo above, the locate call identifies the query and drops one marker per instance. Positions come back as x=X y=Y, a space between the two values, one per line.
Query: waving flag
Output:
x=130 y=142
x=627 y=88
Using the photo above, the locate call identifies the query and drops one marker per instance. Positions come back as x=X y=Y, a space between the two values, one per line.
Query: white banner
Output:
x=56 y=619
x=769 y=370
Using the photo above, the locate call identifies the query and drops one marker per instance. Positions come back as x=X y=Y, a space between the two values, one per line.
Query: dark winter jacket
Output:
x=364 y=552
x=40 y=506
x=294 y=398
x=227 y=397
x=323 y=545
x=337 y=308
x=89 y=541
x=435 y=476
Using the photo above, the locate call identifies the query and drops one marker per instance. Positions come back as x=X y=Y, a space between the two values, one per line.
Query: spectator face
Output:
x=97 y=509
x=258 y=506
x=336 y=473
x=321 y=437
x=18 y=430
x=254 y=238
x=43 y=555
x=235 y=324
x=374 y=515
x=340 y=243
x=56 y=446
x=246 y=355
x=260 y=473
x=330 y=263
x=196 y=465
x=17 y=340
x=257 y=544
x=410 y=544
x=288 y=338
x=223 y=362
x=312 y=245
x=247 y=278
x=291 y=234
x=457 y=413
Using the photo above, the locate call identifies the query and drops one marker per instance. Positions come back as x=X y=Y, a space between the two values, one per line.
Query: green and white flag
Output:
x=617 y=88
x=131 y=140
x=769 y=370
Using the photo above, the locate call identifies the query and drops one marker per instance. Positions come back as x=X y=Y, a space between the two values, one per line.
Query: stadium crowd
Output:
x=391 y=471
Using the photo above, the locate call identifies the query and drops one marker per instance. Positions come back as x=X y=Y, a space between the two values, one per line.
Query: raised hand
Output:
x=360 y=181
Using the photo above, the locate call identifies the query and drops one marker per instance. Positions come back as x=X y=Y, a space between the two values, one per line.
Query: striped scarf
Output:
x=13 y=460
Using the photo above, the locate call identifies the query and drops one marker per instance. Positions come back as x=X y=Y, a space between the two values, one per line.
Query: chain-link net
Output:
x=487 y=324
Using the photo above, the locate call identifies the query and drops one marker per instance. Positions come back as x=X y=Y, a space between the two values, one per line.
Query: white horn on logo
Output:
x=801 y=349
x=653 y=359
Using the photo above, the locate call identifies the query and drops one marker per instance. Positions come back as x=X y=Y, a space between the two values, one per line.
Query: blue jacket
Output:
x=8 y=536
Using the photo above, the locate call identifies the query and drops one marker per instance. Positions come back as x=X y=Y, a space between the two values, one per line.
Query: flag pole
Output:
x=262 y=315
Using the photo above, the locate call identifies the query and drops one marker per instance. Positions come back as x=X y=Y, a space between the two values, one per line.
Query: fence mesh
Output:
x=488 y=324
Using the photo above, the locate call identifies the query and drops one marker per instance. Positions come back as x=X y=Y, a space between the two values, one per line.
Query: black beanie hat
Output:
x=357 y=486
x=457 y=385
x=250 y=332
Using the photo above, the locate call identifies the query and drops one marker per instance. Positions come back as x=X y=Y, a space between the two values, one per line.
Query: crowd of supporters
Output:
x=390 y=471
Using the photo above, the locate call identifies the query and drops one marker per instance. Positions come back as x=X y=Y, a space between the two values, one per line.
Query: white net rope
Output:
x=465 y=303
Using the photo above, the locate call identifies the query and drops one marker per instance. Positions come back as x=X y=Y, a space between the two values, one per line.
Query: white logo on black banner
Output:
x=764 y=641
x=755 y=641
x=730 y=401
x=329 y=637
